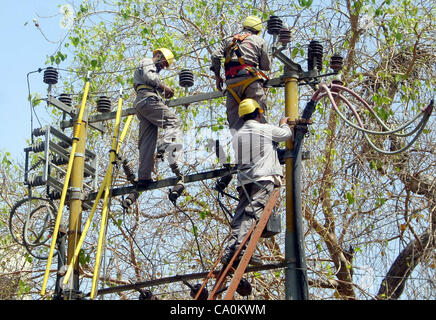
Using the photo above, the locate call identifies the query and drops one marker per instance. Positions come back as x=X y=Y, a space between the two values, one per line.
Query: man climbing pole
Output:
x=153 y=113
x=259 y=171
x=245 y=54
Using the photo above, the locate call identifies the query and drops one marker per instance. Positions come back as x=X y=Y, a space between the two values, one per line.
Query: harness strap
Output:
x=232 y=70
x=233 y=47
x=244 y=83
x=257 y=75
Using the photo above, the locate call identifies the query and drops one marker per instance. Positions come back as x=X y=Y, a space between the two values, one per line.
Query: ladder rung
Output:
x=255 y=233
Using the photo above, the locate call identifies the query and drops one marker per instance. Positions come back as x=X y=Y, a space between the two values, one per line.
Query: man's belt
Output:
x=144 y=86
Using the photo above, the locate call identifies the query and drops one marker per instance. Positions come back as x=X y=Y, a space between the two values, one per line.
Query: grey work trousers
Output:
x=254 y=91
x=153 y=113
x=247 y=212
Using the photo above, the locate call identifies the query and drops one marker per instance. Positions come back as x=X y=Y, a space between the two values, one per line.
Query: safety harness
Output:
x=232 y=69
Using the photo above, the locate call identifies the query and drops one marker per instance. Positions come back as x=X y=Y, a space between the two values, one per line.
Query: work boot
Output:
x=225 y=259
x=254 y=261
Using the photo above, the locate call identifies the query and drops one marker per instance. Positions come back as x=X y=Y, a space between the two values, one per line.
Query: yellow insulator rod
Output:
x=101 y=237
x=105 y=210
x=124 y=133
x=94 y=207
x=77 y=129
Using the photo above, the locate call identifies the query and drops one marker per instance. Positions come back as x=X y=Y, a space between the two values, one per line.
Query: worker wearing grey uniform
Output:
x=245 y=55
x=153 y=113
x=259 y=171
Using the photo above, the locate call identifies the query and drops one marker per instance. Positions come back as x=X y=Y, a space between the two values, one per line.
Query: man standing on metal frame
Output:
x=245 y=54
x=259 y=171
x=153 y=113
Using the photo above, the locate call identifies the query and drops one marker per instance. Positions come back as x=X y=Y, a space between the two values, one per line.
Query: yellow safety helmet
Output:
x=248 y=106
x=253 y=22
x=168 y=55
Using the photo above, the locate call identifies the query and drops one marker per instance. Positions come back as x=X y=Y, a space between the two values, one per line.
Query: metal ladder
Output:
x=228 y=270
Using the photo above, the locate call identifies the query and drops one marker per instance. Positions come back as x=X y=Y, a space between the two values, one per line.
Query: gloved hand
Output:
x=167 y=92
x=284 y=120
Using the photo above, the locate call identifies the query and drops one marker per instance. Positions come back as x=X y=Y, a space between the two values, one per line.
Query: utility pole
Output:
x=294 y=289
x=296 y=285
x=74 y=173
x=76 y=199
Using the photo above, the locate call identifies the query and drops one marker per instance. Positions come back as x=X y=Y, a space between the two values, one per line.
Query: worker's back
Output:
x=256 y=151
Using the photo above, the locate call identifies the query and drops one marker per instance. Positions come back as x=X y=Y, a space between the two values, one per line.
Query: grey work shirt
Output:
x=254 y=52
x=146 y=73
x=256 y=152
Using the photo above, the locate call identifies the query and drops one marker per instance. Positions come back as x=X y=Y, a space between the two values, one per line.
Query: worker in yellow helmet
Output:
x=153 y=113
x=244 y=54
x=259 y=170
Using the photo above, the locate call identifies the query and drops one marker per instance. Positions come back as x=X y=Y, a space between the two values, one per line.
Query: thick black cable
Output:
x=25 y=241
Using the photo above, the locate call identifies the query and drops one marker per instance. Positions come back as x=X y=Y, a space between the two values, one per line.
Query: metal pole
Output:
x=300 y=266
x=75 y=219
x=292 y=291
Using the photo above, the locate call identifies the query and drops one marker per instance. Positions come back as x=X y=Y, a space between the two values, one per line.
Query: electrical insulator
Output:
x=128 y=170
x=186 y=78
x=336 y=63
x=50 y=76
x=244 y=288
x=131 y=198
x=38 y=146
x=39 y=131
x=58 y=160
x=54 y=195
x=36 y=181
x=284 y=35
x=176 y=191
x=314 y=55
x=104 y=104
x=64 y=144
x=274 y=25
x=66 y=99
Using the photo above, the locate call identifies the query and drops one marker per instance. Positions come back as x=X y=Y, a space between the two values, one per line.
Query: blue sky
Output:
x=24 y=49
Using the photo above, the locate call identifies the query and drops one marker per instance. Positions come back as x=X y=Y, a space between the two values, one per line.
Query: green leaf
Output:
x=75 y=41
x=350 y=197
